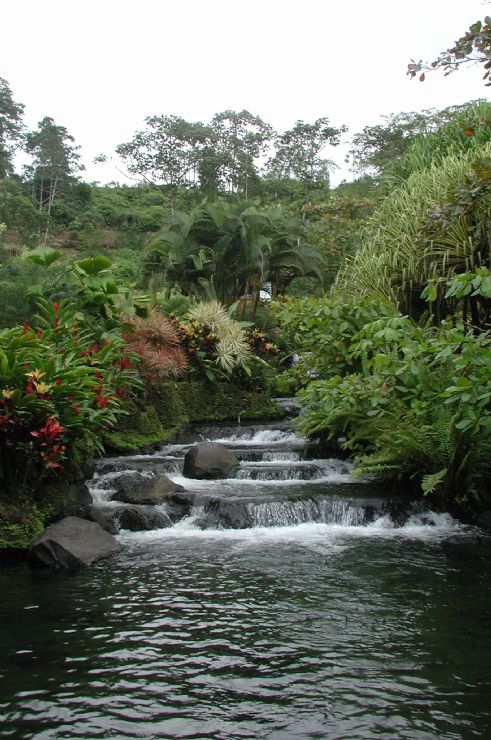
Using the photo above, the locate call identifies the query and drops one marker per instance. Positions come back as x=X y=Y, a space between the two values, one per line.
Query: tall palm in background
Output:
x=229 y=250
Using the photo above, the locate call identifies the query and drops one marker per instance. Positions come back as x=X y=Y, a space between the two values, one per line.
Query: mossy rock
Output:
x=225 y=401
x=20 y=523
x=141 y=428
x=151 y=420
x=170 y=405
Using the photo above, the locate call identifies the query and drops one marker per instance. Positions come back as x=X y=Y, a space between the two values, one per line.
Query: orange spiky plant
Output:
x=157 y=342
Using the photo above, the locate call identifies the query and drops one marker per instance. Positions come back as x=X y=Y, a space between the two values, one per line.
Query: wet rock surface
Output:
x=210 y=460
x=103 y=518
x=484 y=520
x=72 y=543
x=142 y=518
x=140 y=489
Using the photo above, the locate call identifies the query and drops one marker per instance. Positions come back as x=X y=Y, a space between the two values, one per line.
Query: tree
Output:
x=163 y=153
x=334 y=226
x=227 y=250
x=11 y=127
x=179 y=153
x=376 y=147
x=474 y=47
x=16 y=209
x=381 y=148
x=299 y=152
x=176 y=153
x=242 y=138
x=55 y=162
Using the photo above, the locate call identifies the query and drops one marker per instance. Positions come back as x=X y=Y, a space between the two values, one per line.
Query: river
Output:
x=332 y=613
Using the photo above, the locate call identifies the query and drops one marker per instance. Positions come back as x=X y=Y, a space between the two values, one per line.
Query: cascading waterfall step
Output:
x=274 y=486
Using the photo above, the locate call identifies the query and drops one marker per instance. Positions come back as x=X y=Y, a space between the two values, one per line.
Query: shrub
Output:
x=156 y=341
x=58 y=387
x=417 y=408
x=216 y=345
x=320 y=332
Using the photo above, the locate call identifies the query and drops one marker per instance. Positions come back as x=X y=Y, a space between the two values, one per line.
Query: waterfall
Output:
x=275 y=486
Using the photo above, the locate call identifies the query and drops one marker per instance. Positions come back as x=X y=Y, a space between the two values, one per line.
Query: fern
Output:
x=432 y=480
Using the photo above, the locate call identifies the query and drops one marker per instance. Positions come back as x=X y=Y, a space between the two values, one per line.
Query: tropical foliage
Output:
x=474 y=46
x=225 y=251
x=409 y=395
x=152 y=281
x=433 y=226
x=215 y=343
x=411 y=403
x=59 y=388
x=156 y=341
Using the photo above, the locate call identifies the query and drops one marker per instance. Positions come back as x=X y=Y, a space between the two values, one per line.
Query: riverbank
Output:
x=309 y=603
x=151 y=420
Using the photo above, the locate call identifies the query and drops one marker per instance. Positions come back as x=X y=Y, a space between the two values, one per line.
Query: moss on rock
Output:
x=168 y=407
x=20 y=524
x=224 y=401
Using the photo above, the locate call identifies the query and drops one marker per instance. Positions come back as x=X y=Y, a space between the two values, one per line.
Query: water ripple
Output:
x=205 y=638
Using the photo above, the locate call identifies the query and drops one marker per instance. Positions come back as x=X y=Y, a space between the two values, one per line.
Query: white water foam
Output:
x=263 y=437
x=225 y=484
x=100 y=485
x=430 y=526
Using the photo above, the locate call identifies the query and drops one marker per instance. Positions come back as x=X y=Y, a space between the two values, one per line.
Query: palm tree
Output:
x=228 y=250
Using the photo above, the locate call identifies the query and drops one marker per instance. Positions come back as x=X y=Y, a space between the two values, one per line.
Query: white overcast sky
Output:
x=99 y=67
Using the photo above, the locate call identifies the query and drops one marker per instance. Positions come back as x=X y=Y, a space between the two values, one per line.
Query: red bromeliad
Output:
x=49 y=432
x=49 y=440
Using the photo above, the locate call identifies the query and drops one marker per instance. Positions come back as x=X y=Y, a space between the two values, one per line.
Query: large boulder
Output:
x=145 y=491
x=467 y=546
x=179 y=505
x=141 y=518
x=104 y=518
x=126 y=480
x=225 y=513
x=210 y=460
x=77 y=500
x=72 y=543
x=484 y=520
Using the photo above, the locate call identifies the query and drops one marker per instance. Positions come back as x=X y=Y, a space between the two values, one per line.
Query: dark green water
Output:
x=313 y=631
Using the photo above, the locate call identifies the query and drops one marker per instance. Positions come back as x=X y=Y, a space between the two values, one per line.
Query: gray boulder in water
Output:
x=146 y=491
x=104 y=518
x=226 y=513
x=72 y=543
x=210 y=460
x=141 y=518
x=484 y=520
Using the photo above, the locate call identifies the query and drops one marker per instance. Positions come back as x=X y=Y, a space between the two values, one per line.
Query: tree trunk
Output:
x=51 y=197
x=246 y=299
x=256 y=302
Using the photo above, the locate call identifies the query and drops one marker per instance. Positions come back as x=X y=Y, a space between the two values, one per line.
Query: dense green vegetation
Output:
x=396 y=365
x=190 y=292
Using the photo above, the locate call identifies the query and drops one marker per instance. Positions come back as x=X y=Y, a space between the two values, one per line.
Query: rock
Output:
x=104 y=518
x=484 y=520
x=77 y=501
x=146 y=491
x=142 y=518
x=463 y=540
x=72 y=543
x=88 y=468
x=226 y=513
x=468 y=546
x=179 y=505
x=127 y=480
x=210 y=460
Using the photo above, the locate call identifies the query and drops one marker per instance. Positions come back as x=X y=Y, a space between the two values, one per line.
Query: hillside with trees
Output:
x=228 y=255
